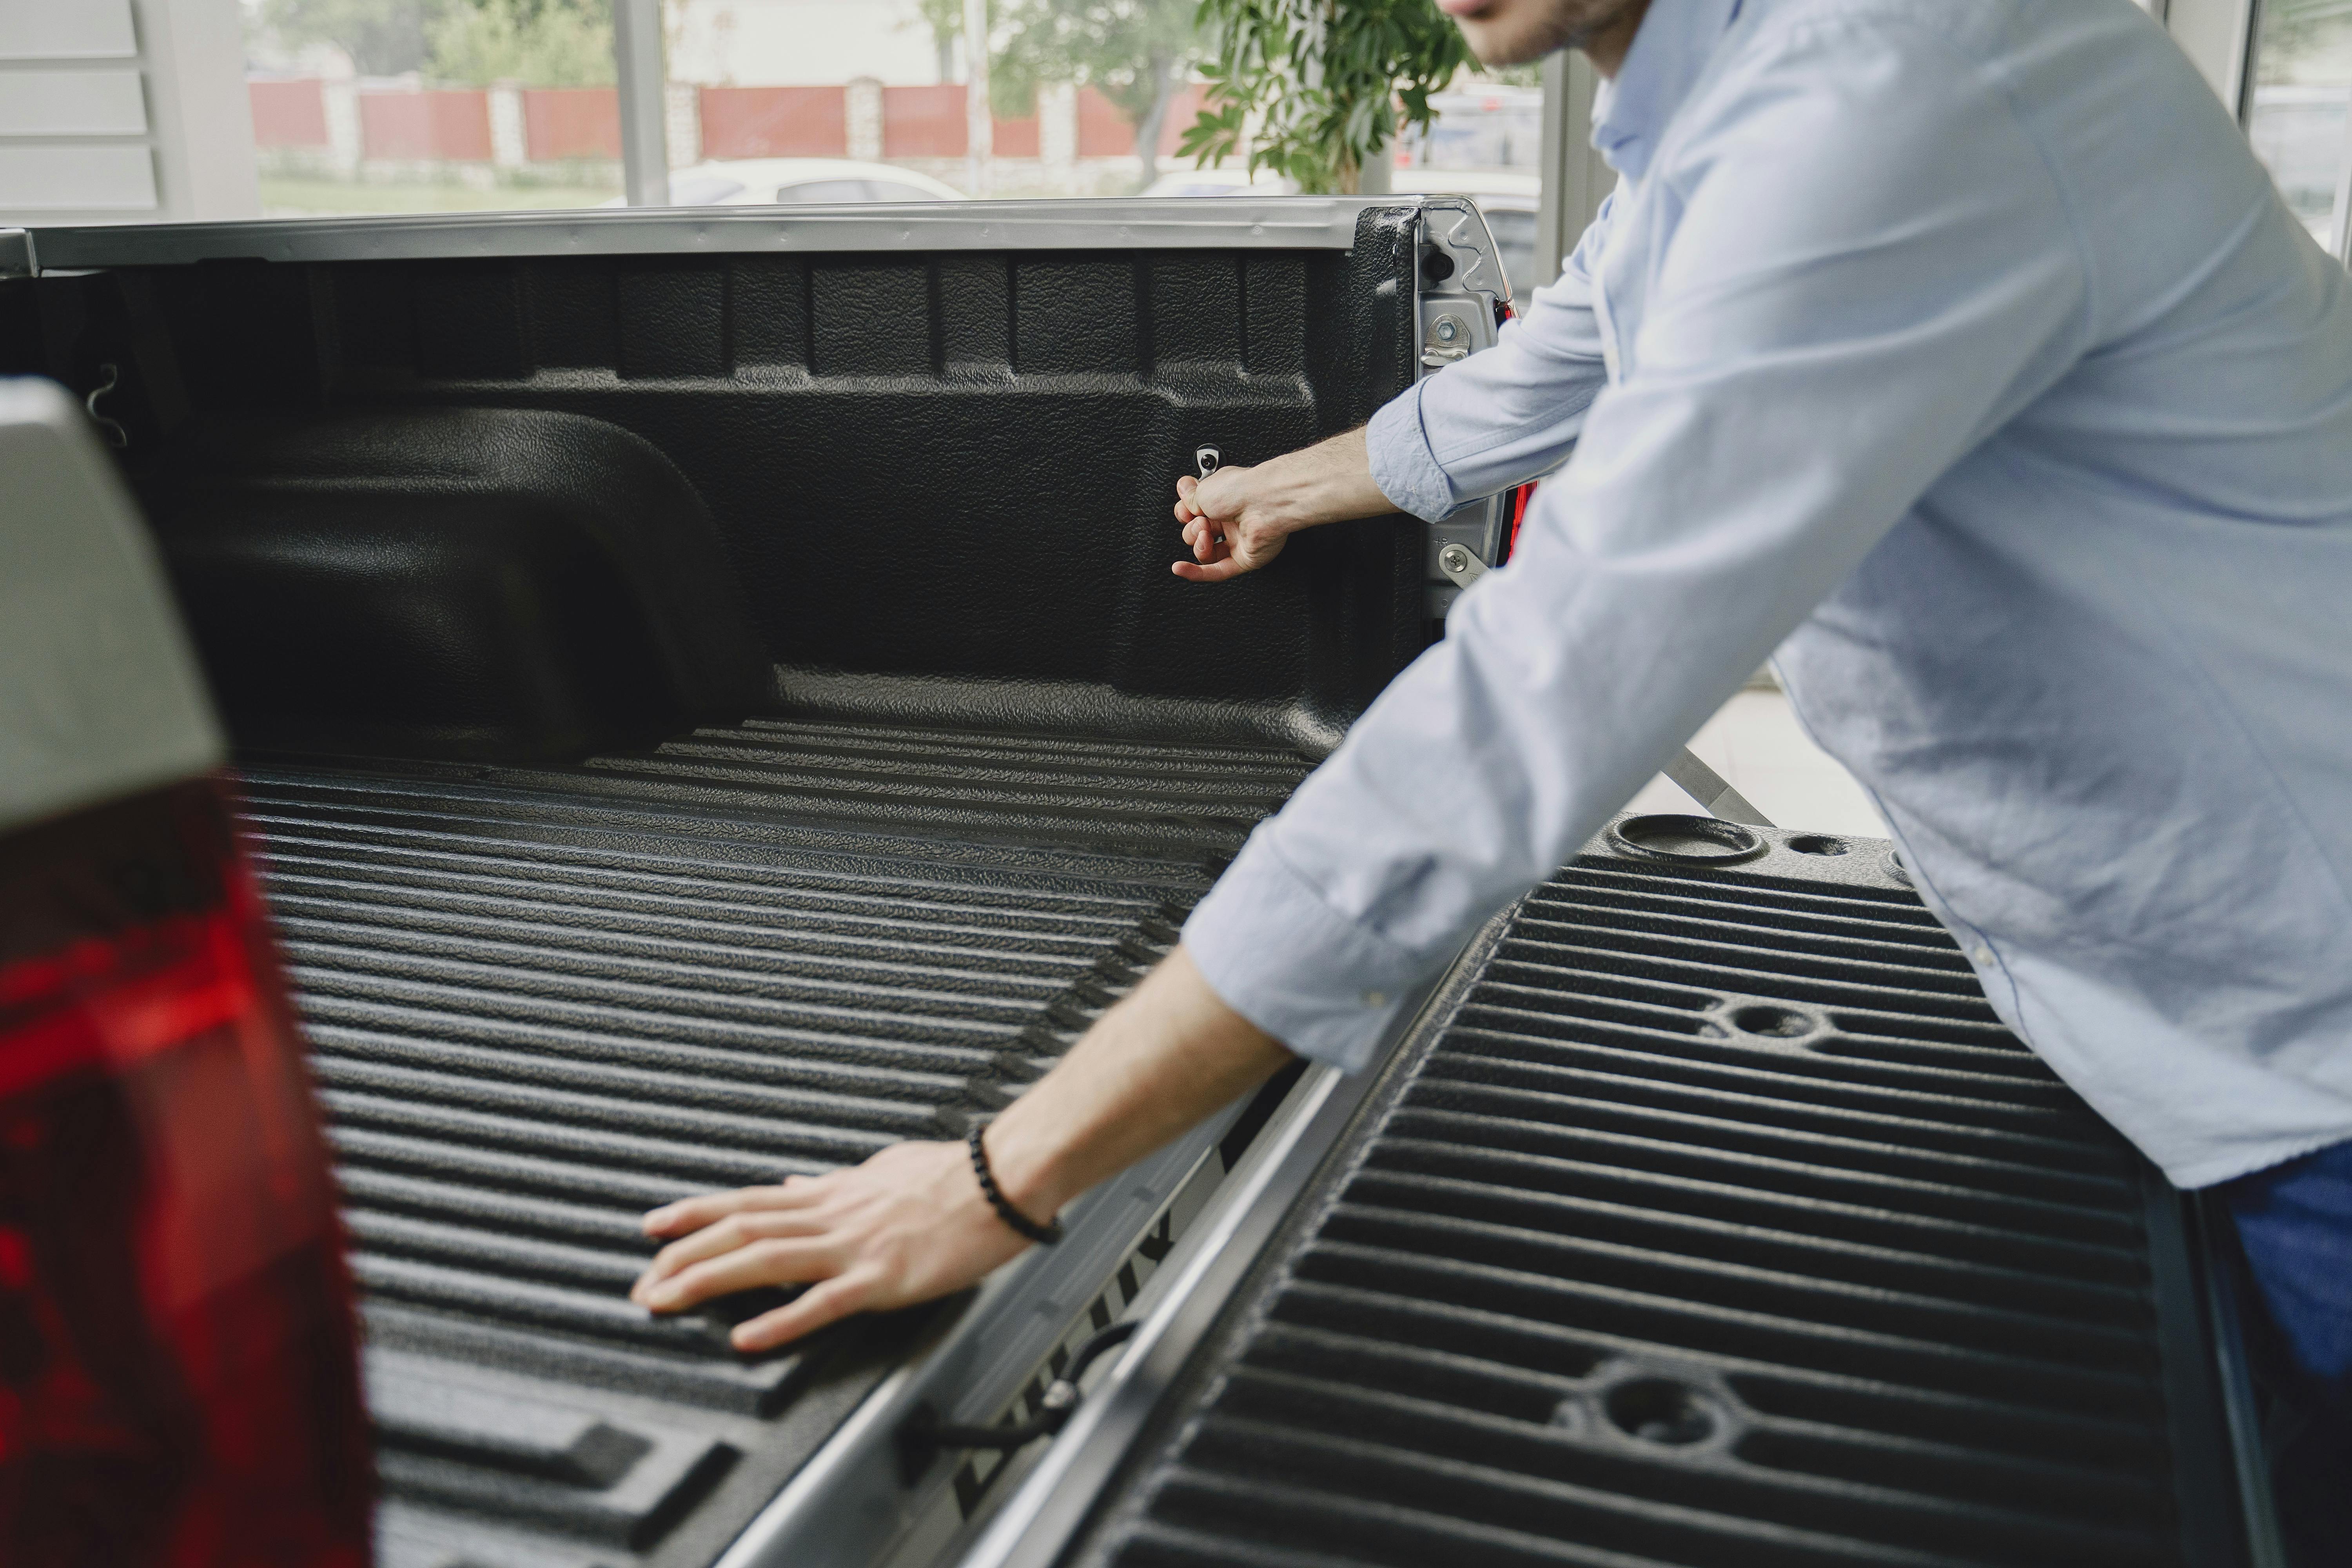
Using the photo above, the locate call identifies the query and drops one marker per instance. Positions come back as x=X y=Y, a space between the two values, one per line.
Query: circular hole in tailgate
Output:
x=1779 y=1023
x=1687 y=840
x=1660 y=1410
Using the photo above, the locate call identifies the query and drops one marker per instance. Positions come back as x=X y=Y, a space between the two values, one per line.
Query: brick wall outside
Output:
x=775 y=123
x=572 y=122
x=444 y=124
x=1104 y=132
x=292 y=114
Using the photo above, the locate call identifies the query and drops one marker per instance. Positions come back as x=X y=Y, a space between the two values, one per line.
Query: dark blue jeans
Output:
x=2295 y=1222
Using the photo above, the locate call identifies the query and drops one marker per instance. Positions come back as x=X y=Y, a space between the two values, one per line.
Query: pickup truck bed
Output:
x=544 y=999
x=712 y=702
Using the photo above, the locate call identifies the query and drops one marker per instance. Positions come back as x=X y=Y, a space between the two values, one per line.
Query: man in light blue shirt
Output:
x=1960 y=352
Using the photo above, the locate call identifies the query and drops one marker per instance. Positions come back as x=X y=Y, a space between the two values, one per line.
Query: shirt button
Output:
x=1982 y=954
x=1376 y=999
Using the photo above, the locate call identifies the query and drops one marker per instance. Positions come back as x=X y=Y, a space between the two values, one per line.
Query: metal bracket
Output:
x=1460 y=566
x=1713 y=791
x=924 y=1435
x=1207 y=459
x=1459 y=301
x=1445 y=337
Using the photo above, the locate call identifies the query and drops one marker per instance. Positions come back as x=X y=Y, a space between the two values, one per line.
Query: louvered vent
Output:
x=1719 y=1223
x=542 y=1000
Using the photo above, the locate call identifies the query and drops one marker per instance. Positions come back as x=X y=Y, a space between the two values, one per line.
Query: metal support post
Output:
x=637 y=61
x=1575 y=180
x=2339 y=230
x=2218 y=36
x=978 y=122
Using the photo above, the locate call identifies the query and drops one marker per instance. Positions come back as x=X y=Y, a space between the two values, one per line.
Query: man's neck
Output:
x=1607 y=45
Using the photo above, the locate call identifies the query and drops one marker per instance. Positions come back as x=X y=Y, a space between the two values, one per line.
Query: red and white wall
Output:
x=345 y=127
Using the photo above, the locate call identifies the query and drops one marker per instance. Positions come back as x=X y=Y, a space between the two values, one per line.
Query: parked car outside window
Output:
x=799 y=182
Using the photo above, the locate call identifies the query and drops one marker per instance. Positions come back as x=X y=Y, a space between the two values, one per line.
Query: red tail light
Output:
x=1520 y=495
x=178 y=1382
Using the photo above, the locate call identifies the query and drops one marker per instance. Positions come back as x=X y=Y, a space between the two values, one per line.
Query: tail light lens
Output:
x=178 y=1381
x=1520 y=495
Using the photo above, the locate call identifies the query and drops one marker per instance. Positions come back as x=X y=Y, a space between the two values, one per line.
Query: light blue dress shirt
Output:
x=1960 y=351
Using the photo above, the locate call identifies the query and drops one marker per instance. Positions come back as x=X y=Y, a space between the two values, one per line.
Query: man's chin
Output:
x=1506 y=46
x=1516 y=32
x=1502 y=34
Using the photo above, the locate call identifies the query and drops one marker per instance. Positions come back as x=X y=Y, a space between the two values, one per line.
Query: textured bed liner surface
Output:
x=543 y=999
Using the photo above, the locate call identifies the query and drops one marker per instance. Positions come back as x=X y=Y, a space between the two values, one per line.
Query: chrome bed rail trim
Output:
x=1036 y=1520
x=850 y=1502
x=1032 y=1528
x=1216 y=223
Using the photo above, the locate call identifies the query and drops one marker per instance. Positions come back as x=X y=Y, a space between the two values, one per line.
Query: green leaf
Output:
x=1325 y=77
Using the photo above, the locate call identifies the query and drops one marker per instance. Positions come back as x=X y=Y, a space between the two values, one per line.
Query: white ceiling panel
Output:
x=71 y=103
x=66 y=30
x=76 y=179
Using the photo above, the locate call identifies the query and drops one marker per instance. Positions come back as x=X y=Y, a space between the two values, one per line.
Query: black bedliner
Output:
x=1711 y=1217
x=543 y=999
x=708 y=716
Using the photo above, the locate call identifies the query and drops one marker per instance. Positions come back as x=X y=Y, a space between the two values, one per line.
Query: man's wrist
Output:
x=1025 y=1160
x=1331 y=482
x=1164 y=1056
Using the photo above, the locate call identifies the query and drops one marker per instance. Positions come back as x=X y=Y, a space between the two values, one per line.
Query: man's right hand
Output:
x=1236 y=520
x=1226 y=534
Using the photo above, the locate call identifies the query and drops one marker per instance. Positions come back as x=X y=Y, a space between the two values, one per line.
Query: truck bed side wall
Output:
x=837 y=477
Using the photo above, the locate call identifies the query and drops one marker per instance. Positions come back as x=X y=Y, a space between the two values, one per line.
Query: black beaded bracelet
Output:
x=1046 y=1234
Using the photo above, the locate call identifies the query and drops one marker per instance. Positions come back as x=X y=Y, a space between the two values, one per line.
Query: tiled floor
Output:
x=1753 y=741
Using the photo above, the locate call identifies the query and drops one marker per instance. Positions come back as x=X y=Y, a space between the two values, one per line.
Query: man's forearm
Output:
x=1163 y=1058
x=1331 y=482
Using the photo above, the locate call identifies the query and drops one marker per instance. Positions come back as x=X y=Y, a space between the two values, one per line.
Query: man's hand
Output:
x=907 y=1224
x=1237 y=519
x=1226 y=534
x=911 y=1224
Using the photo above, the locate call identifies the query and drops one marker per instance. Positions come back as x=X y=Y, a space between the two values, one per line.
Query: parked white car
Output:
x=765 y=181
x=1225 y=180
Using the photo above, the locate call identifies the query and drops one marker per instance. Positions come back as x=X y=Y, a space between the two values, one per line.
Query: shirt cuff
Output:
x=1406 y=470
x=1283 y=958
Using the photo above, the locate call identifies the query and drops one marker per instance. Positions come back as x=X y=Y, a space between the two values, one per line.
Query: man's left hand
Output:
x=907 y=1226
x=912 y=1224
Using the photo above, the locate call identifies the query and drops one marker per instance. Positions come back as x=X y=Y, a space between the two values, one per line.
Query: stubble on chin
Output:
x=1547 y=28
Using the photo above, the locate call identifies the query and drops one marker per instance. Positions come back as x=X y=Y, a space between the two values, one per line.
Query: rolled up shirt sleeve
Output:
x=1872 y=270
x=1500 y=417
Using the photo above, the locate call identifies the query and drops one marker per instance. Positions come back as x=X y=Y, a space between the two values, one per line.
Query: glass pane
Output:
x=897 y=191
x=2301 y=118
x=374 y=106
x=1513 y=229
x=820 y=191
x=379 y=106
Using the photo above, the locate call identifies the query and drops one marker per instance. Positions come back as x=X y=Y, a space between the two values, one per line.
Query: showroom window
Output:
x=2300 y=116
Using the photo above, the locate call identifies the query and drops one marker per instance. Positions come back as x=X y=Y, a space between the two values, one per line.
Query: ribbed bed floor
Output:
x=1155 y=799
x=542 y=1000
x=1719 y=1221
